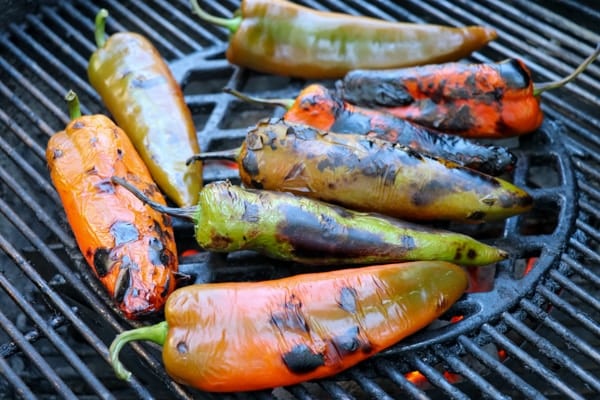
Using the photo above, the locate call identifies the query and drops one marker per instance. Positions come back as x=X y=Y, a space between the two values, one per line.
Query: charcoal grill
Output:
x=534 y=333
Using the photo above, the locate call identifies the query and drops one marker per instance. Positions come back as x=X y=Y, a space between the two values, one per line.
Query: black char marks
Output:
x=105 y=186
x=350 y=342
x=320 y=236
x=102 y=263
x=301 y=359
x=347 y=299
x=290 y=317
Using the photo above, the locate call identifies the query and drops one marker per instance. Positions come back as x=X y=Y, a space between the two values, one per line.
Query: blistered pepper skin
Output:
x=139 y=90
x=129 y=246
x=369 y=174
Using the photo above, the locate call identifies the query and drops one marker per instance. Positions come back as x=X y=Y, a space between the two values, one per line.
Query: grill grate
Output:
x=532 y=336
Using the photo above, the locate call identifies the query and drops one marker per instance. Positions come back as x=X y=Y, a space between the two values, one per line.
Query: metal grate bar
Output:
x=68 y=30
x=369 y=386
x=581 y=270
x=21 y=134
x=8 y=349
x=590 y=191
x=494 y=365
x=575 y=289
x=20 y=388
x=85 y=373
x=571 y=338
x=334 y=389
x=581 y=317
x=189 y=22
x=583 y=249
x=552 y=352
x=33 y=117
x=55 y=62
x=534 y=364
x=400 y=379
x=36 y=358
x=460 y=367
x=435 y=378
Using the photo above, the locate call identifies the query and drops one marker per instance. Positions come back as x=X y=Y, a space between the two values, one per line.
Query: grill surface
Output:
x=531 y=335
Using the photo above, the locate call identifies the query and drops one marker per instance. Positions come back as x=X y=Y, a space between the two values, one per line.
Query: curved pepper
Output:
x=369 y=174
x=283 y=38
x=228 y=337
x=320 y=108
x=130 y=247
x=142 y=95
x=471 y=100
x=283 y=226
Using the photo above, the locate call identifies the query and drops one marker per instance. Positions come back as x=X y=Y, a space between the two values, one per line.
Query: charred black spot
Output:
x=102 y=263
x=351 y=122
x=105 y=186
x=431 y=192
x=251 y=213
x=347 y=299
x=476 y=216
x=157 y=254
x=142 y=82
x=339 y=157
x=78 y=125
x=166 y=220
x=57 y=153
x=437 y=95
x=342 y=212
x=471 y=254
x=408 y=242
x=290 y=318
x=514 y=74
x=92 y=171
x=182 y=348
x=123 y=283
x=349 y=342
x=321 y=236
x=271 y=139
x=301 y=359
x=256 y=184
x=166 y=287
x=150 y=190
x=290 y=131
x=123 y=232
x=119 y=154
x=250 y=164
x=305 y=132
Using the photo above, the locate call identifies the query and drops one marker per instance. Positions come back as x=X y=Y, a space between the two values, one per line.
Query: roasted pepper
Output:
x=320 y=108
x=472 y=100
x=146 y=101
x=283 y=38
x=369 y=174
x=284 y=226
x=129 y=246
x=229 y=337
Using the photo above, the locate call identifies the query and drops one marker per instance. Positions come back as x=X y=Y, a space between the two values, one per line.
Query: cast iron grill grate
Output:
x=533 y=335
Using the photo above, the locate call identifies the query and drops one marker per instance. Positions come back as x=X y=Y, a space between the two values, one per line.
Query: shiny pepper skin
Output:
x=231 y=337
x=129 y=246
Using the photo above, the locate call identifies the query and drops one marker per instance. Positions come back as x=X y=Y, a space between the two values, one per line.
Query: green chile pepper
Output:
x=146 y=101
x=283 y=38
x=284 y=226
x=369 y=174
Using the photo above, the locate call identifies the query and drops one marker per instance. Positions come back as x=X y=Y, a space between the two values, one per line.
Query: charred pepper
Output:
x=146 y=101
x=321 y=108
x=369 y=174
x=129 y=246
x=472 y=100
x=284 y=226
x=283 y=38
x=228 y=337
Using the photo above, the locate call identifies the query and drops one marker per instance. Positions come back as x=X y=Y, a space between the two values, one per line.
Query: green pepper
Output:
x=280 y=37
x=284 y=226
x=146 y=101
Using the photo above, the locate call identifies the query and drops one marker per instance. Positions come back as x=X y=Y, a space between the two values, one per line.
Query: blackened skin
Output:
x=301 y=359
x=305 y=233
x=290 y=318
x=374 y=89
x=347 y=299
x=123 y=282
x=101 y=261
x=250 y=164
x=514 y=74
x=350 y=342
x=124 y=232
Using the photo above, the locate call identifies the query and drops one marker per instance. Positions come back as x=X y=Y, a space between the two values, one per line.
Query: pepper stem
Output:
x=185 y=212
x=542 y=87
x=73 y=104
x=232 y=24
x=230 y=155
x=154 y=333
x=285 y=103
x=100 y=31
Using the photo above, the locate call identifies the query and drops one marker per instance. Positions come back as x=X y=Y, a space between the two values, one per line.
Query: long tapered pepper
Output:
x=129 y=246
x=283 y=226
x=283 y=38
x=229 y=337
x=369 y=174
x=472 y=100
x=139 y=90
x=320 y=108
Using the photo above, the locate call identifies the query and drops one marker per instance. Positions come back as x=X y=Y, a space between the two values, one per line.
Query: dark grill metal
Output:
x=533 y=335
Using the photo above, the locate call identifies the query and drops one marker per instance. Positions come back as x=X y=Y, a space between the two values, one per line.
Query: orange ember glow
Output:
x=456 y=319
x=530 y=264
x=417 y=378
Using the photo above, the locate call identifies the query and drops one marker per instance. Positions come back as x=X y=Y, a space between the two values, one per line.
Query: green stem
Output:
x=285 y=103
x=154 y=333
x=542 y=87
x=100 y=31
x=232 y=24
x=186 y=212
x=230 y=155
x=73 y=104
